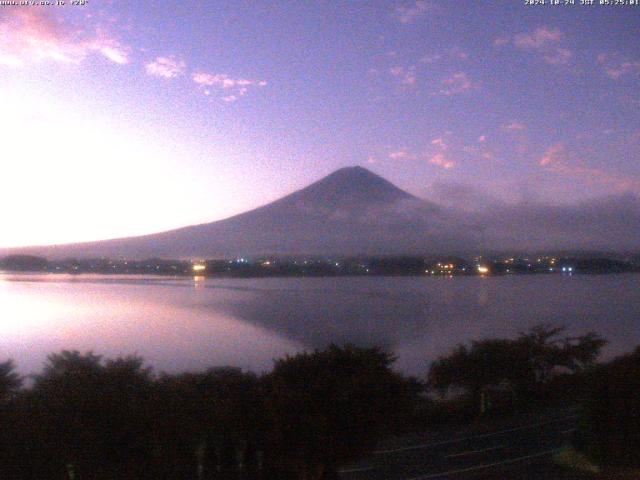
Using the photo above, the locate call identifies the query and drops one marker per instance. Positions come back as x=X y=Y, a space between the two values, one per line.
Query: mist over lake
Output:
x=186 y=324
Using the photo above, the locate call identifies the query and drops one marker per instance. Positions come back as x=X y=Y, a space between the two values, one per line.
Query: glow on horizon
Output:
x=77 y=173
x=76 y=176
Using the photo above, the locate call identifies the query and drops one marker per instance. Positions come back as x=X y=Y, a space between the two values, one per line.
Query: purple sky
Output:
x=120 y=118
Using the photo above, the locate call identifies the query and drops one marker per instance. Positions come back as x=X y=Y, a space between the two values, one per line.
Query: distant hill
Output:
x=354 y=211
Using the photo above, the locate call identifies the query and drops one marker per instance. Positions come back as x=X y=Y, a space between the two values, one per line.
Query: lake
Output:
x=191 y=323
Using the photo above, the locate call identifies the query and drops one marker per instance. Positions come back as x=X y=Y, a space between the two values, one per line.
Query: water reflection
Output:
x=156 y=319
x=189 y=323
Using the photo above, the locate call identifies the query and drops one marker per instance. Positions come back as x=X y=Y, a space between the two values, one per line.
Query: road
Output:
x=516 y=449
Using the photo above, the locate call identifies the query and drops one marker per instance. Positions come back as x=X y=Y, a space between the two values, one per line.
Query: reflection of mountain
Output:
x=422 y=318
x=353 y=211
x=316 y=312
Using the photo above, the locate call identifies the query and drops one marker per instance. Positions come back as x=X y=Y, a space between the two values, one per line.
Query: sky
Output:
x=121 y=118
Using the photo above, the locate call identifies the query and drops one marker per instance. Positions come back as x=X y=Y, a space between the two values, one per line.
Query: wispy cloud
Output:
x=9 y=60
x=115 y=54
x=454 y=53
x=439 y=143
x=435 y=155
x=514 y=126
x=439 y=155
x=412 y=12
x=501 y=41
x=558 y=56
x=560 y=161
x=447 y=151
x=166 y=67
x=431 y=58
x=458 y=54
x=233 y=88
x=540 y=38
x=455 y=84
x=402 y=154
x=406 y=76
x=224 y=81
x=464 y=196
x=31 y=35
x=409 y=75
x=479 y=152
x=617 y=67
x=543 y=41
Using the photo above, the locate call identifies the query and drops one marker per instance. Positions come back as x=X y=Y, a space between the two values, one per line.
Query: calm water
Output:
x=184 y=324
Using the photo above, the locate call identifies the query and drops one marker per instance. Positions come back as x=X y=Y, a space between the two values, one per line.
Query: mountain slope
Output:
x=350 y=211
x=354 y=211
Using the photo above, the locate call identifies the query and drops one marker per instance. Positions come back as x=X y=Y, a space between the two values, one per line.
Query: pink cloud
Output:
x=455 y=84
x=441 y=161
x=411 y=13
x=554 y=156
x=166 y=67
x=32 y=35
x=482 y=138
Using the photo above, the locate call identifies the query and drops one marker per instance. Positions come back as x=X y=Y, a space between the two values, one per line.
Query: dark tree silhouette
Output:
x=486 y=365
x=610 y=427
x=10 y=381
x=208 y=422
x=87 y=420
x=521 y=366
x=330 y=407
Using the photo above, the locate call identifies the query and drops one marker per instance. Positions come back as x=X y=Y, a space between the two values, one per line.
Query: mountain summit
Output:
x=351 y=184
x=350 y=191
